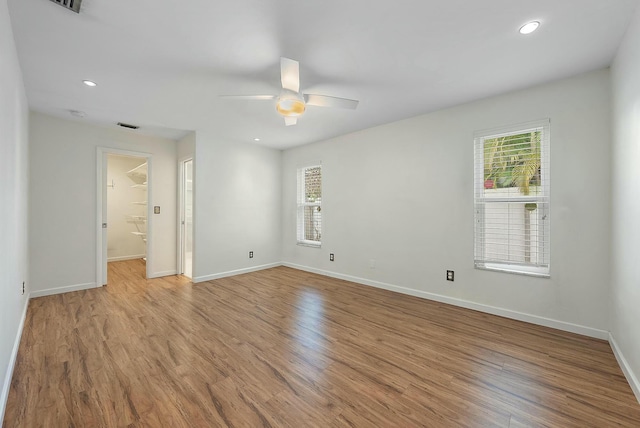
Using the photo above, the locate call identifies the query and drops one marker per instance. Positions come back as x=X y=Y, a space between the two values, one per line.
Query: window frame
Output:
x=540 y=269
x=302 y=203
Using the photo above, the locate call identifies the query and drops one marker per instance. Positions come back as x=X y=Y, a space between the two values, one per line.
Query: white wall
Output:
x=237 y=207
x=625 y=319
x=402 y=194
x=63 y=201
x=187 y=146
x=122 y=244
x=14 y=115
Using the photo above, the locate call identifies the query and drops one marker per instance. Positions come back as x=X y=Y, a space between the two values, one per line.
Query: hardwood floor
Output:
x=281 y=347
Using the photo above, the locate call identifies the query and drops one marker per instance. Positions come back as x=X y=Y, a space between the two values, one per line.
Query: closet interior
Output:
x=126 y=208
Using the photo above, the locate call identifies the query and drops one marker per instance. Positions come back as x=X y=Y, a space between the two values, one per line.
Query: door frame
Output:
x=181 y=211
x=101 y=199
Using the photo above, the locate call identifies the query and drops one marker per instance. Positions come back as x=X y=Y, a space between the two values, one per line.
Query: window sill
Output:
x=312 y=244
x=515 y=269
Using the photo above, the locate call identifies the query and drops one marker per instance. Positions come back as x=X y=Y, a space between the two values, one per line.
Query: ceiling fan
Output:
x=291 y=103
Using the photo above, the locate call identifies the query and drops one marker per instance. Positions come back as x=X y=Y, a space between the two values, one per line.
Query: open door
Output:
x=104 y=220
x=138 y=211
x=186 y=218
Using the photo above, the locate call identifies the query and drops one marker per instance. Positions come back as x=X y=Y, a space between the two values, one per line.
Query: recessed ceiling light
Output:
x=256 y=139
x=90 y=83
x=529 y=27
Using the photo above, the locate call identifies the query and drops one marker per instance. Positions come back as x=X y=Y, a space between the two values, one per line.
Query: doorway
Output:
x=124 y=229
x=185 y=258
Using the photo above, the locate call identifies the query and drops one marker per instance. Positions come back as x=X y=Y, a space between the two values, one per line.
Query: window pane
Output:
x=512 y=163
x=312 y=224
x=313 y=184
x=513 y=232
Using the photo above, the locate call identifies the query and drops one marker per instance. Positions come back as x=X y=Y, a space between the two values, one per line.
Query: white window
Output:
x=310 y=205
x=512 y=199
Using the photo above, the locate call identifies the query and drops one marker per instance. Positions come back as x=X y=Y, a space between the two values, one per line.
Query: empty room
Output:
x=320 y=213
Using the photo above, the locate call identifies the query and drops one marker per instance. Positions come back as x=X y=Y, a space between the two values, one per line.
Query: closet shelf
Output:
x=137 y=177
x=138 y=168
x=138 y=174
x=143 y=234
x=140 y=218
x=140 y=186
x=140 y=203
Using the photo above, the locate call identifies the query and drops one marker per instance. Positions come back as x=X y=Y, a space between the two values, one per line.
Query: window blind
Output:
x=511 y=199
x=310 y=205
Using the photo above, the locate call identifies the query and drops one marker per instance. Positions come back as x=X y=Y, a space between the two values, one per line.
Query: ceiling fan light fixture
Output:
x=290 y=104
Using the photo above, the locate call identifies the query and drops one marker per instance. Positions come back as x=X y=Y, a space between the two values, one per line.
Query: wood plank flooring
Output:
x=285 y=348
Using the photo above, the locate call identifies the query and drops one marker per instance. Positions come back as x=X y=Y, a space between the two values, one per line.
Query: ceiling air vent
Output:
x=126 y=125
x=73 y=5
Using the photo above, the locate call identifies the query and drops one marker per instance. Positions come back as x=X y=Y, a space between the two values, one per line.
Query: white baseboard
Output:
x=60 y=290
x=234 y=272
x=123 y=258
x=507 y=313
x=626 y=369
x=12 y=362
x=163 y=273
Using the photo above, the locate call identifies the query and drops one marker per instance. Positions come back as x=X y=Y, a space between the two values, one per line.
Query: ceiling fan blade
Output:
x=290 y=121
x=327 y=101
x=249 y=97
x=290 y=74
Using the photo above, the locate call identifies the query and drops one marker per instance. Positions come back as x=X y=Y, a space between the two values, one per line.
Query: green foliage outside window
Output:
x=513 y=161
x=313 y=184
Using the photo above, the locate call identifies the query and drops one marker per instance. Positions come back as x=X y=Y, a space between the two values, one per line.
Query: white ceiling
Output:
x=162 y=64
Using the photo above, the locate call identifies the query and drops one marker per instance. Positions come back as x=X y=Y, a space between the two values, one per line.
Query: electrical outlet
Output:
x=23 y=288
x=250 y=254
x=331 y=257
x=450 y=275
